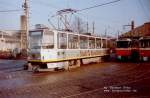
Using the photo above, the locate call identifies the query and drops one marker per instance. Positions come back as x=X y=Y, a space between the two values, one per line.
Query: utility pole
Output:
x=118 y=35
x=132 y=27
x=105 y=32
x=106 y=36
x=93 y=27
x=87 y=27
x=78 y=25
x=26 y=13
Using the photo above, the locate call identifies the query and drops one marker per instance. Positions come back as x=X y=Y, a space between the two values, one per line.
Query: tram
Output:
x=123 y=48
x=144 y=49
x=127 y=49
x=54 y=49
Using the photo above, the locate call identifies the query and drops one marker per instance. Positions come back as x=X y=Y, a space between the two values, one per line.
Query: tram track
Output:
x=121 y=83
x=12 y=69
x=102 y=88
x=81 y=84
x=126 y=68
x=137 y=73
x=132 y=74
x=11 y=65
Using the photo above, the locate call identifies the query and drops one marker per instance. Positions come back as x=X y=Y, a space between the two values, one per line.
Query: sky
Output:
x=109 y=18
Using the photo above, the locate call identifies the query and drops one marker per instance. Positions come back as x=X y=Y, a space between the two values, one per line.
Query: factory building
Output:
x=9 y=40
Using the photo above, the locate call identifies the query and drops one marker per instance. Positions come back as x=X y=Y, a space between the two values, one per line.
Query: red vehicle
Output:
x=144 y=50
x=123 y=49
x=127 y=49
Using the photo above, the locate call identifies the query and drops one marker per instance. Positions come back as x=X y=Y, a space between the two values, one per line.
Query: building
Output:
x=143 y=30
x=9 y=40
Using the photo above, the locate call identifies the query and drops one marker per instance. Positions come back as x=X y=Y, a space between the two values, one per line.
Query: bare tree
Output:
x=78 y=25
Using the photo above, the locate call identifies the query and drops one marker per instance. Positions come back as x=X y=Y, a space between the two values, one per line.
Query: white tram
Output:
x=53 y=49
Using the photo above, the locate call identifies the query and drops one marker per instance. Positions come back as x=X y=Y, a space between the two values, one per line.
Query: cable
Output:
x=99 y=5
x=144 y=10
x=10 y=10
x=45 y=4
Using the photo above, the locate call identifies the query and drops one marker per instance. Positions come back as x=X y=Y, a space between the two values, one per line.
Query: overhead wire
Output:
x=4 y=11
x=144 y=11
x=45 y=4
x=76 y=11
x=99 y=5
x=9 y=10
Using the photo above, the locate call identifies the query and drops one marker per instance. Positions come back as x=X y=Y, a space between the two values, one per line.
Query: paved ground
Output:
x=105 y=80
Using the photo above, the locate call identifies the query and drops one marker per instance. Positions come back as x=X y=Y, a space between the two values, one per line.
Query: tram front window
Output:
x=123 y=44
x=35 y=39
x=39 y=39
x=145 y=43
x=48 y=40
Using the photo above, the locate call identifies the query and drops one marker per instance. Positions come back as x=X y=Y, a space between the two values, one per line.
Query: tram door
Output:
x=135 y=50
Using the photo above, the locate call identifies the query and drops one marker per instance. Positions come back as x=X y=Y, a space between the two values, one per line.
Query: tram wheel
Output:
x=25 y=66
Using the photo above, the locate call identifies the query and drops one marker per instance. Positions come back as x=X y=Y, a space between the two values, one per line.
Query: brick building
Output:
x=143 y=30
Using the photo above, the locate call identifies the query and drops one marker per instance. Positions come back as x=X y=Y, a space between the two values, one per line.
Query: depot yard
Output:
x=103 y=80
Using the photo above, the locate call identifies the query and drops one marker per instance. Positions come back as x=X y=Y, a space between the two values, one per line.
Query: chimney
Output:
x=23 y=22
x=132 y=25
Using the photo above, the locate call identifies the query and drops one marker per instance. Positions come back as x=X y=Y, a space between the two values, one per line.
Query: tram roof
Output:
x=69 y=32
x=145 y=38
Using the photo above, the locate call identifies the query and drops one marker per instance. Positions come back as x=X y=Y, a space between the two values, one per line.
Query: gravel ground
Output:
x=104 y=80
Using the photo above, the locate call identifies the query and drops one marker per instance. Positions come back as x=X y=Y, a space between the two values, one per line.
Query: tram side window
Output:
x=73 y=42
x=91 y=43
x=148 y=43
x=141 y=44
x=62 y=40
x=145 y=43
x=83 y=42
x=48 y=40
x=98 y=43
x=103 y=43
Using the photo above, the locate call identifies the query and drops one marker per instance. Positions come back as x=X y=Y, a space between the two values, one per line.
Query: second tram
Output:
x=127 y=49
x=123 y=48
x=144 y=49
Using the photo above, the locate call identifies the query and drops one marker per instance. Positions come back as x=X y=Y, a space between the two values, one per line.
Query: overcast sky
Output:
x=111 y=17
